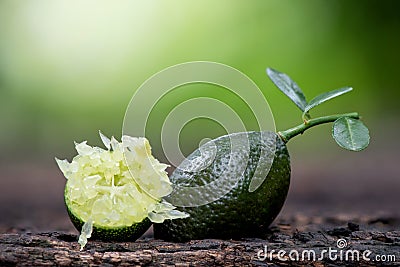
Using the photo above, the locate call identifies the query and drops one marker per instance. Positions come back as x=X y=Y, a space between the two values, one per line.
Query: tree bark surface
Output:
x=61 y=248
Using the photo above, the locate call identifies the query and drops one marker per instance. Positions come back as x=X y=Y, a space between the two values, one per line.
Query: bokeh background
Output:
x=69 y=68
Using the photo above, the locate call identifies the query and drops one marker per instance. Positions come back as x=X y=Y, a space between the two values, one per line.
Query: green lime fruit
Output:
x=239 y=213
x=247 y=210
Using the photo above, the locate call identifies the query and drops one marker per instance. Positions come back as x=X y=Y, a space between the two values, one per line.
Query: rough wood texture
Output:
x=325 y=195
x=61 y=248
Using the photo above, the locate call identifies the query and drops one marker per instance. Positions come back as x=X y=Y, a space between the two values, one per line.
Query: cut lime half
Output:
x=114 y=212
x=115 y=193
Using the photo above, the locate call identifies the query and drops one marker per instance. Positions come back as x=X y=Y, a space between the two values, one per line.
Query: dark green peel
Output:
x=239 y=213
x=243 y=212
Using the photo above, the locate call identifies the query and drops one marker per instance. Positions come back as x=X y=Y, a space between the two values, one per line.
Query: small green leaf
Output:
x=325 y=97
x=350 y=134
x=288 y=87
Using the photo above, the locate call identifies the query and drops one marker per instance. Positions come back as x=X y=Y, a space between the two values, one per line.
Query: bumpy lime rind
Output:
x=240 y=213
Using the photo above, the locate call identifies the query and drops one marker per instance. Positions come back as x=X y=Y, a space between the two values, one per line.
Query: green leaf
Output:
x=288 y=87
x=350 y=134
x=325 y=97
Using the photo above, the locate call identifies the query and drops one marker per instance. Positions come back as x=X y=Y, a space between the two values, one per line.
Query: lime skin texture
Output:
x=239 y=213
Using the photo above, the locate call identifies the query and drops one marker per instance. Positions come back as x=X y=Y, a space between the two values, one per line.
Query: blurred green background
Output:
x=69 y=68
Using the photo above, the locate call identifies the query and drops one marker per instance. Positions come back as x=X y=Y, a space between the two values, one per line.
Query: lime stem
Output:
x=292 y=132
